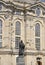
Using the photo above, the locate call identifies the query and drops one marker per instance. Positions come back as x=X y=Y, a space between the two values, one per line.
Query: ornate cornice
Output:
x=40 y=4
x=10 y=5
x=16 y=52
x=14 y=6
x=24 y=7
x=9 y=51
x=35 y=53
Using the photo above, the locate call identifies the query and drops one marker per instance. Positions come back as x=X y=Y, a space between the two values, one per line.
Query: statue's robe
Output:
x=21 y=48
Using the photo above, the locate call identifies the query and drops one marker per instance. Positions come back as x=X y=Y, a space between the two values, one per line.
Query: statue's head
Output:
x=21 y=41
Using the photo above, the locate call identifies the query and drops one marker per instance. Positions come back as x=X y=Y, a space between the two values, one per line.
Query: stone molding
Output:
x=16 y=52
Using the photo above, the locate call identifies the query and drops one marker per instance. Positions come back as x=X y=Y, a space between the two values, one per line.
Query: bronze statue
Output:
x=21 y=48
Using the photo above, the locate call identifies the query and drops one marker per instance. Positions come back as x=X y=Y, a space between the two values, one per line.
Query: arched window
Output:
x=37 y=36
x=0 y=33
x=18 y=28
x=17 y=34
x=38 y=11
x=37 y=30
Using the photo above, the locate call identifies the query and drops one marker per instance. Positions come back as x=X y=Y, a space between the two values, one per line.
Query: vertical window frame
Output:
x=17 y=35
x=0 y=33
x=37 y=37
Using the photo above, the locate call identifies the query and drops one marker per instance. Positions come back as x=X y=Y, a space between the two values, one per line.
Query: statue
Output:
x=21 y=48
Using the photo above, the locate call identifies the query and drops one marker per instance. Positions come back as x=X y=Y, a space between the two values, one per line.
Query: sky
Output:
x=42 y=0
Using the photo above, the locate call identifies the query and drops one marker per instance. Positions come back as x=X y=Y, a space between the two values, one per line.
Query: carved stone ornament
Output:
x=27 y=46
x=6 y=16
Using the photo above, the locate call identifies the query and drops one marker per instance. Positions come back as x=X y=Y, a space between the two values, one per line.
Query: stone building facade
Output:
x=22 y=21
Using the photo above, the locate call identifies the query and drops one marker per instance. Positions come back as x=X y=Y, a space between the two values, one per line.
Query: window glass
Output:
x=17 y=34
x=37 y=30
x=38 y=11
x=0 y=44
x=0 y=37
x=20 y=60
x=0 y=6
x=0 y=33
x=0 y=23
x=0 y=30
x=37 y=41
x=37 y=36
x=18 y=28
x=17 y=40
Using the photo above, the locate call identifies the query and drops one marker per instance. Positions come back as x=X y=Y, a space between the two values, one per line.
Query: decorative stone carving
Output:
x=27 y=45
x=6 y=16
